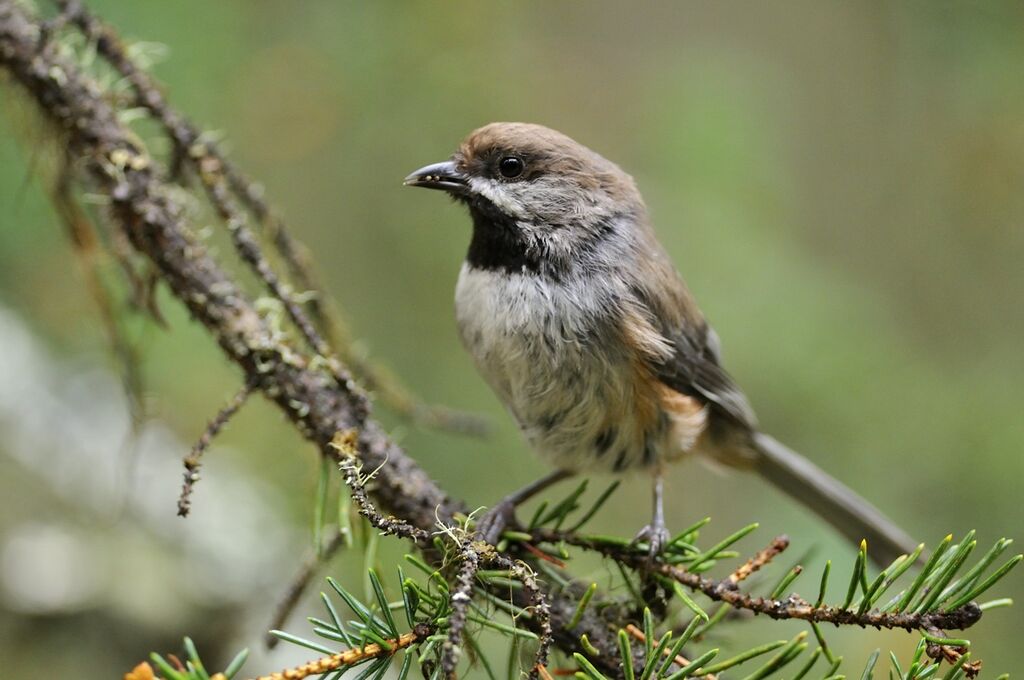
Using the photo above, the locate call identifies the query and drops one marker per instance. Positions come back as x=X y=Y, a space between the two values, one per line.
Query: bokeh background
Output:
x=842 y=184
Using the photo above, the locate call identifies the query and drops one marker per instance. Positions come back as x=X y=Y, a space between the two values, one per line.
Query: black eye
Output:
x=511 y=167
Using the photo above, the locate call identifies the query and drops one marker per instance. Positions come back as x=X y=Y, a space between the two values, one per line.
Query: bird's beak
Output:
x=442 y=175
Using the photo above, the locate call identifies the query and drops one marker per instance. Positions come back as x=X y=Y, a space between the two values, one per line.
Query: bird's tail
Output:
x=853 y=516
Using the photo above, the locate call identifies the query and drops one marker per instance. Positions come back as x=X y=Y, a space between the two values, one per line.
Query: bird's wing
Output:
x=693 y=365
x=694 y=369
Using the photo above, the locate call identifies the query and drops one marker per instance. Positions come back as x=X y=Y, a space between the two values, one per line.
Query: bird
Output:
x=576 y=317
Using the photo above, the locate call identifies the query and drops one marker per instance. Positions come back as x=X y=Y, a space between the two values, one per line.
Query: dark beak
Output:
x=442 y=175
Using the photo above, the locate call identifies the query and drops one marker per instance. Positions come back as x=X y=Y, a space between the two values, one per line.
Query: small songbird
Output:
x=577 y=319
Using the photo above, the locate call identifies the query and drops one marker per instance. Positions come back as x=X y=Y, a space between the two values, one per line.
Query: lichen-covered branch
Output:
x=793 y=607
x=144 y=206
x=223 y=181
x=310 y=381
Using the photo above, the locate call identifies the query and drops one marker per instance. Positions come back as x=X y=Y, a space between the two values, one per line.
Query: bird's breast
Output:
x=553 y=352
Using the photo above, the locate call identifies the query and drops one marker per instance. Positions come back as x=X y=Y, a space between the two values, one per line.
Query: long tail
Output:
x=853 y=516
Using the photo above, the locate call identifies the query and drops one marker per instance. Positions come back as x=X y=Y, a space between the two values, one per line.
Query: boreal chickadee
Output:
x=577 y=319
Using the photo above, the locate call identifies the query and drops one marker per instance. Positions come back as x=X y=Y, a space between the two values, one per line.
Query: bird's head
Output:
x=539 y=200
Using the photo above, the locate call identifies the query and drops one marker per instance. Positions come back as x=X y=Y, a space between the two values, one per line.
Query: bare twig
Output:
x=346 y=444
x=539 y=604
x=192 y=461
x=760 y=560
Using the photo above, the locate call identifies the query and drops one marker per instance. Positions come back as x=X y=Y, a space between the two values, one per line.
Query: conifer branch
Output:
x=351 y=657
x=316 y=390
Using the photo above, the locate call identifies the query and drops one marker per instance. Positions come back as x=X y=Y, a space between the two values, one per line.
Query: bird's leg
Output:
x=655 y=534
x=503 y=514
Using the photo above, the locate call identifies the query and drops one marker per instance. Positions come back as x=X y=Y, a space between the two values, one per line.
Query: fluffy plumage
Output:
x=574 y=313
x=576 y=317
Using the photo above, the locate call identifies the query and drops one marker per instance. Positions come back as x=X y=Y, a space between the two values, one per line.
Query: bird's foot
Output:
x=493 y=522
x=656 y=536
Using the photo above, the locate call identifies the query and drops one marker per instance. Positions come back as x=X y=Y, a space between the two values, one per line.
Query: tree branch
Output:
x=143 y=204
x=318 y=394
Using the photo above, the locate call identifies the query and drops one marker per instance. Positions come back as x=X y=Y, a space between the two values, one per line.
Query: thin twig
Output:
x=353 y=656
x=461 y=596
x=346 y=443
x=539 y=604
x=760 y=560
x=192 y=461
x=793 y=607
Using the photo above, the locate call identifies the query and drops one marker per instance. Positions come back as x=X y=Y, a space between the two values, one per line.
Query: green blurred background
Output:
x=842 y=184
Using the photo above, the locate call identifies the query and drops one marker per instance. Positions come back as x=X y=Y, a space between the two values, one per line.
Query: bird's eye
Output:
x=511 y=167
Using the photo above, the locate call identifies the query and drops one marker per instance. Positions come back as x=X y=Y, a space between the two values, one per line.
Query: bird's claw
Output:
x=493 y=522
x=656 y=536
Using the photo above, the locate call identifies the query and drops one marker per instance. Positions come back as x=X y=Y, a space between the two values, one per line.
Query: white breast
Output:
x=549 y=352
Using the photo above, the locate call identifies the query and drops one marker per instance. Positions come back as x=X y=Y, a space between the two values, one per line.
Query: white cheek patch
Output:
x=494 y=193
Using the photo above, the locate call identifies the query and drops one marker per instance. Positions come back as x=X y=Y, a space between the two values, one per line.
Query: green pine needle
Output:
x=502 y=627
x=925 y=573
x=948 y=642
x=403 y=672
x=382 y=603
x=656 y=656
x=824 y=645
x=971 y=577
x=581 y=607
x=957 y=670
x=824 y=584
x=648 y=632
x=598 y=504
x=626 y=653
x=677 y=647
x=690 y=533
x=720 y=547
x=568 y=504
x=942 y=579
x=996 y=604
x=588 y=668
x=786 y=581
x=685 y=598
x=856 y=576
x=985 y=585
x=166 y=670
x=783 y=658
x=359 y=609
x=236 y=664
x=869 y=668
x=336 y=619
x=695 y=666
x=745 y=656
x=588 y=646
x=320 y=504
x=809 y=665
x=302 y=642
x=897 y=569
